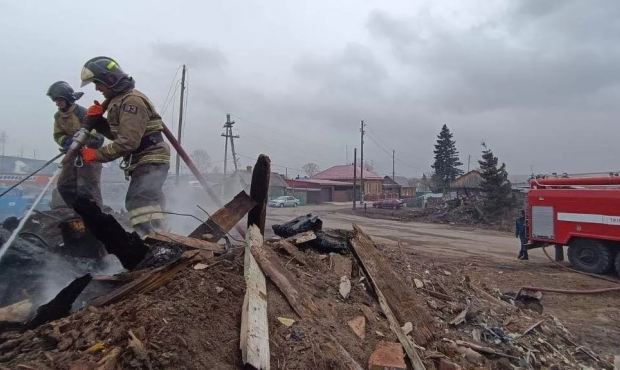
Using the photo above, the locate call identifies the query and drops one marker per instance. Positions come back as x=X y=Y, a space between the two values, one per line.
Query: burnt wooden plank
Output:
x=224 y=219
x=259 y=192
x=186 y=241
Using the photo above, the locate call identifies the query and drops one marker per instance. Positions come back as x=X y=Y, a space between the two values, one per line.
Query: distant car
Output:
x=284 y=201
x=388 y=203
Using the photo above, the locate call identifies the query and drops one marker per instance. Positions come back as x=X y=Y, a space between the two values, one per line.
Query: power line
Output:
x=171 y=84
x=272 y=164
x=375 y=140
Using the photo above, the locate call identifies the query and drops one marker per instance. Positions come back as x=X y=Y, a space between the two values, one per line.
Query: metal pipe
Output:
x=577 y=181
x=190 y=164
x=201 y=179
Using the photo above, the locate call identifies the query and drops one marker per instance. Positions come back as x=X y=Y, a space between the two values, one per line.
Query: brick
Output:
x=358 y=325
x=387 y=356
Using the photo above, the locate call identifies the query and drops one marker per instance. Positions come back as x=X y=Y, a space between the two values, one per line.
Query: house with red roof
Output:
x=342 y=178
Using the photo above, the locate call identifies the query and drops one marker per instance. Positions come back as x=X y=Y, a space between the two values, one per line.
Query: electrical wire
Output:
x=192 y=216
x=171 y=84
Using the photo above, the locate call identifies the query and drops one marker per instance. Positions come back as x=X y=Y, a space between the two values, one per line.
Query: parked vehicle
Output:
x=284 y=201
x=582 y=213
x=392 y=203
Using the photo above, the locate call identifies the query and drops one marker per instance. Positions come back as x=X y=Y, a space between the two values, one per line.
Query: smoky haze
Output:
x=538 y=81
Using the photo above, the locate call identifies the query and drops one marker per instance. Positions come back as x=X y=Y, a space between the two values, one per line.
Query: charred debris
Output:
x=307 y=298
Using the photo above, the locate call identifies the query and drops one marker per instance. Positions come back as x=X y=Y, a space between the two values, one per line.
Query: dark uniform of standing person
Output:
x=135 y=128
x=78 y=178
x=521 y=233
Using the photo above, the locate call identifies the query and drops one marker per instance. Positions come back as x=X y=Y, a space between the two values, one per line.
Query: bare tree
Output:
x=310 y=169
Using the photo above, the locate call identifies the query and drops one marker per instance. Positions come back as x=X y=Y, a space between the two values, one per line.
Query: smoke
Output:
x=32 y=271
x=189 y=194
x=185 y=198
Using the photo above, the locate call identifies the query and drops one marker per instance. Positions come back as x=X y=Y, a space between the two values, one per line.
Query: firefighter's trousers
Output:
x=145 y=198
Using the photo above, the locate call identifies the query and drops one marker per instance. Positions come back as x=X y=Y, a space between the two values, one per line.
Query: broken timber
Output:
x=301 y=238
x=337 y=352
x=271 y=266
x=258 y=192
x=254 y=336
x=128 y=248
x=224 y=219
x=291 y=250
x=365 y=252
x=60 y=305
x=188 y=242
x=148 y=281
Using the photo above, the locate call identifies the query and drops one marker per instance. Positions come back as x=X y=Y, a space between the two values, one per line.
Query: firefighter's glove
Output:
x=95 y=141
x=95 y=110
x=66 y=144
x=89 y=155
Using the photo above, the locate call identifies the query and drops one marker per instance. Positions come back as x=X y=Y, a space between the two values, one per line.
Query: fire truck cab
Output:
x=581 y=213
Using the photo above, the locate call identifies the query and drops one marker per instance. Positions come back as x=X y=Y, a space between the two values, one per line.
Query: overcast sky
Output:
x=538 y=81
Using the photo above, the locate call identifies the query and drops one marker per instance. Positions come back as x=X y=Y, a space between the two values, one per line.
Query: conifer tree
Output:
x=496 y=187
x=447 y=161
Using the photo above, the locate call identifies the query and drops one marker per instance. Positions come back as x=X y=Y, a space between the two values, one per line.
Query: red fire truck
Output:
x=581 y=213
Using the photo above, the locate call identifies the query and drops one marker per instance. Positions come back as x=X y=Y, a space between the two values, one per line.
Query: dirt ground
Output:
x=193 y=321
x=490 y=256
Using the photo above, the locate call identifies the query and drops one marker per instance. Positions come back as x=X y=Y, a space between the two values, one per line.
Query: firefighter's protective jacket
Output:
x=67 y=123
x=133 y=121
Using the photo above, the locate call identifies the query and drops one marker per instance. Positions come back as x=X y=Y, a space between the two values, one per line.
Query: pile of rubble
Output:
x=310 y=298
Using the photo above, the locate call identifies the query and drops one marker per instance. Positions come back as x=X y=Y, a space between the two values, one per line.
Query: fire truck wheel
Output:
x=618 y=264
x=590 y=256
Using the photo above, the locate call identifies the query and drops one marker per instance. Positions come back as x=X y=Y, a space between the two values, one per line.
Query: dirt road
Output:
x=433 y=238
x=489 y=256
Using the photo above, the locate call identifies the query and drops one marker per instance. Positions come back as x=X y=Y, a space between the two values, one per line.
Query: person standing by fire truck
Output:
x=521 y=233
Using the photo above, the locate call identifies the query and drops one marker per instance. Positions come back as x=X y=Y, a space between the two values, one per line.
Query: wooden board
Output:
x=279 y=275
x=224 y=219
x=291 y=250
x=259 y=192
x=382 y=278
x=148 y=281
x=186 y=241
x=300 y=238
x=254 y=335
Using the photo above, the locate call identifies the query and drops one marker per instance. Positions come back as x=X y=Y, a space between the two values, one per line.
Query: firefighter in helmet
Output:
x=135 y=129
x=78 y=178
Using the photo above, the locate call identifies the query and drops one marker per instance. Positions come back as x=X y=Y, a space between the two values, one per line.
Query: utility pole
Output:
x=354 y=177
x=393 y=158
x=468 y=159
x=362 y=161
x=346 y=149
x=178 y=164
x=229 y=136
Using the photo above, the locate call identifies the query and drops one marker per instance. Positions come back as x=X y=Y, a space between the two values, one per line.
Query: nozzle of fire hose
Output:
x=79 y=140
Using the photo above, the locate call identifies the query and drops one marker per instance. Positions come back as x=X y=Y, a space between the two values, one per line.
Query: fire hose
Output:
x=572 y=291
x=81 y=136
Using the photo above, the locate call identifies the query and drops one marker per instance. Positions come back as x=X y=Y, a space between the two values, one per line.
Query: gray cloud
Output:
x=537 y=80
x=522 y=59
x=195 y=55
